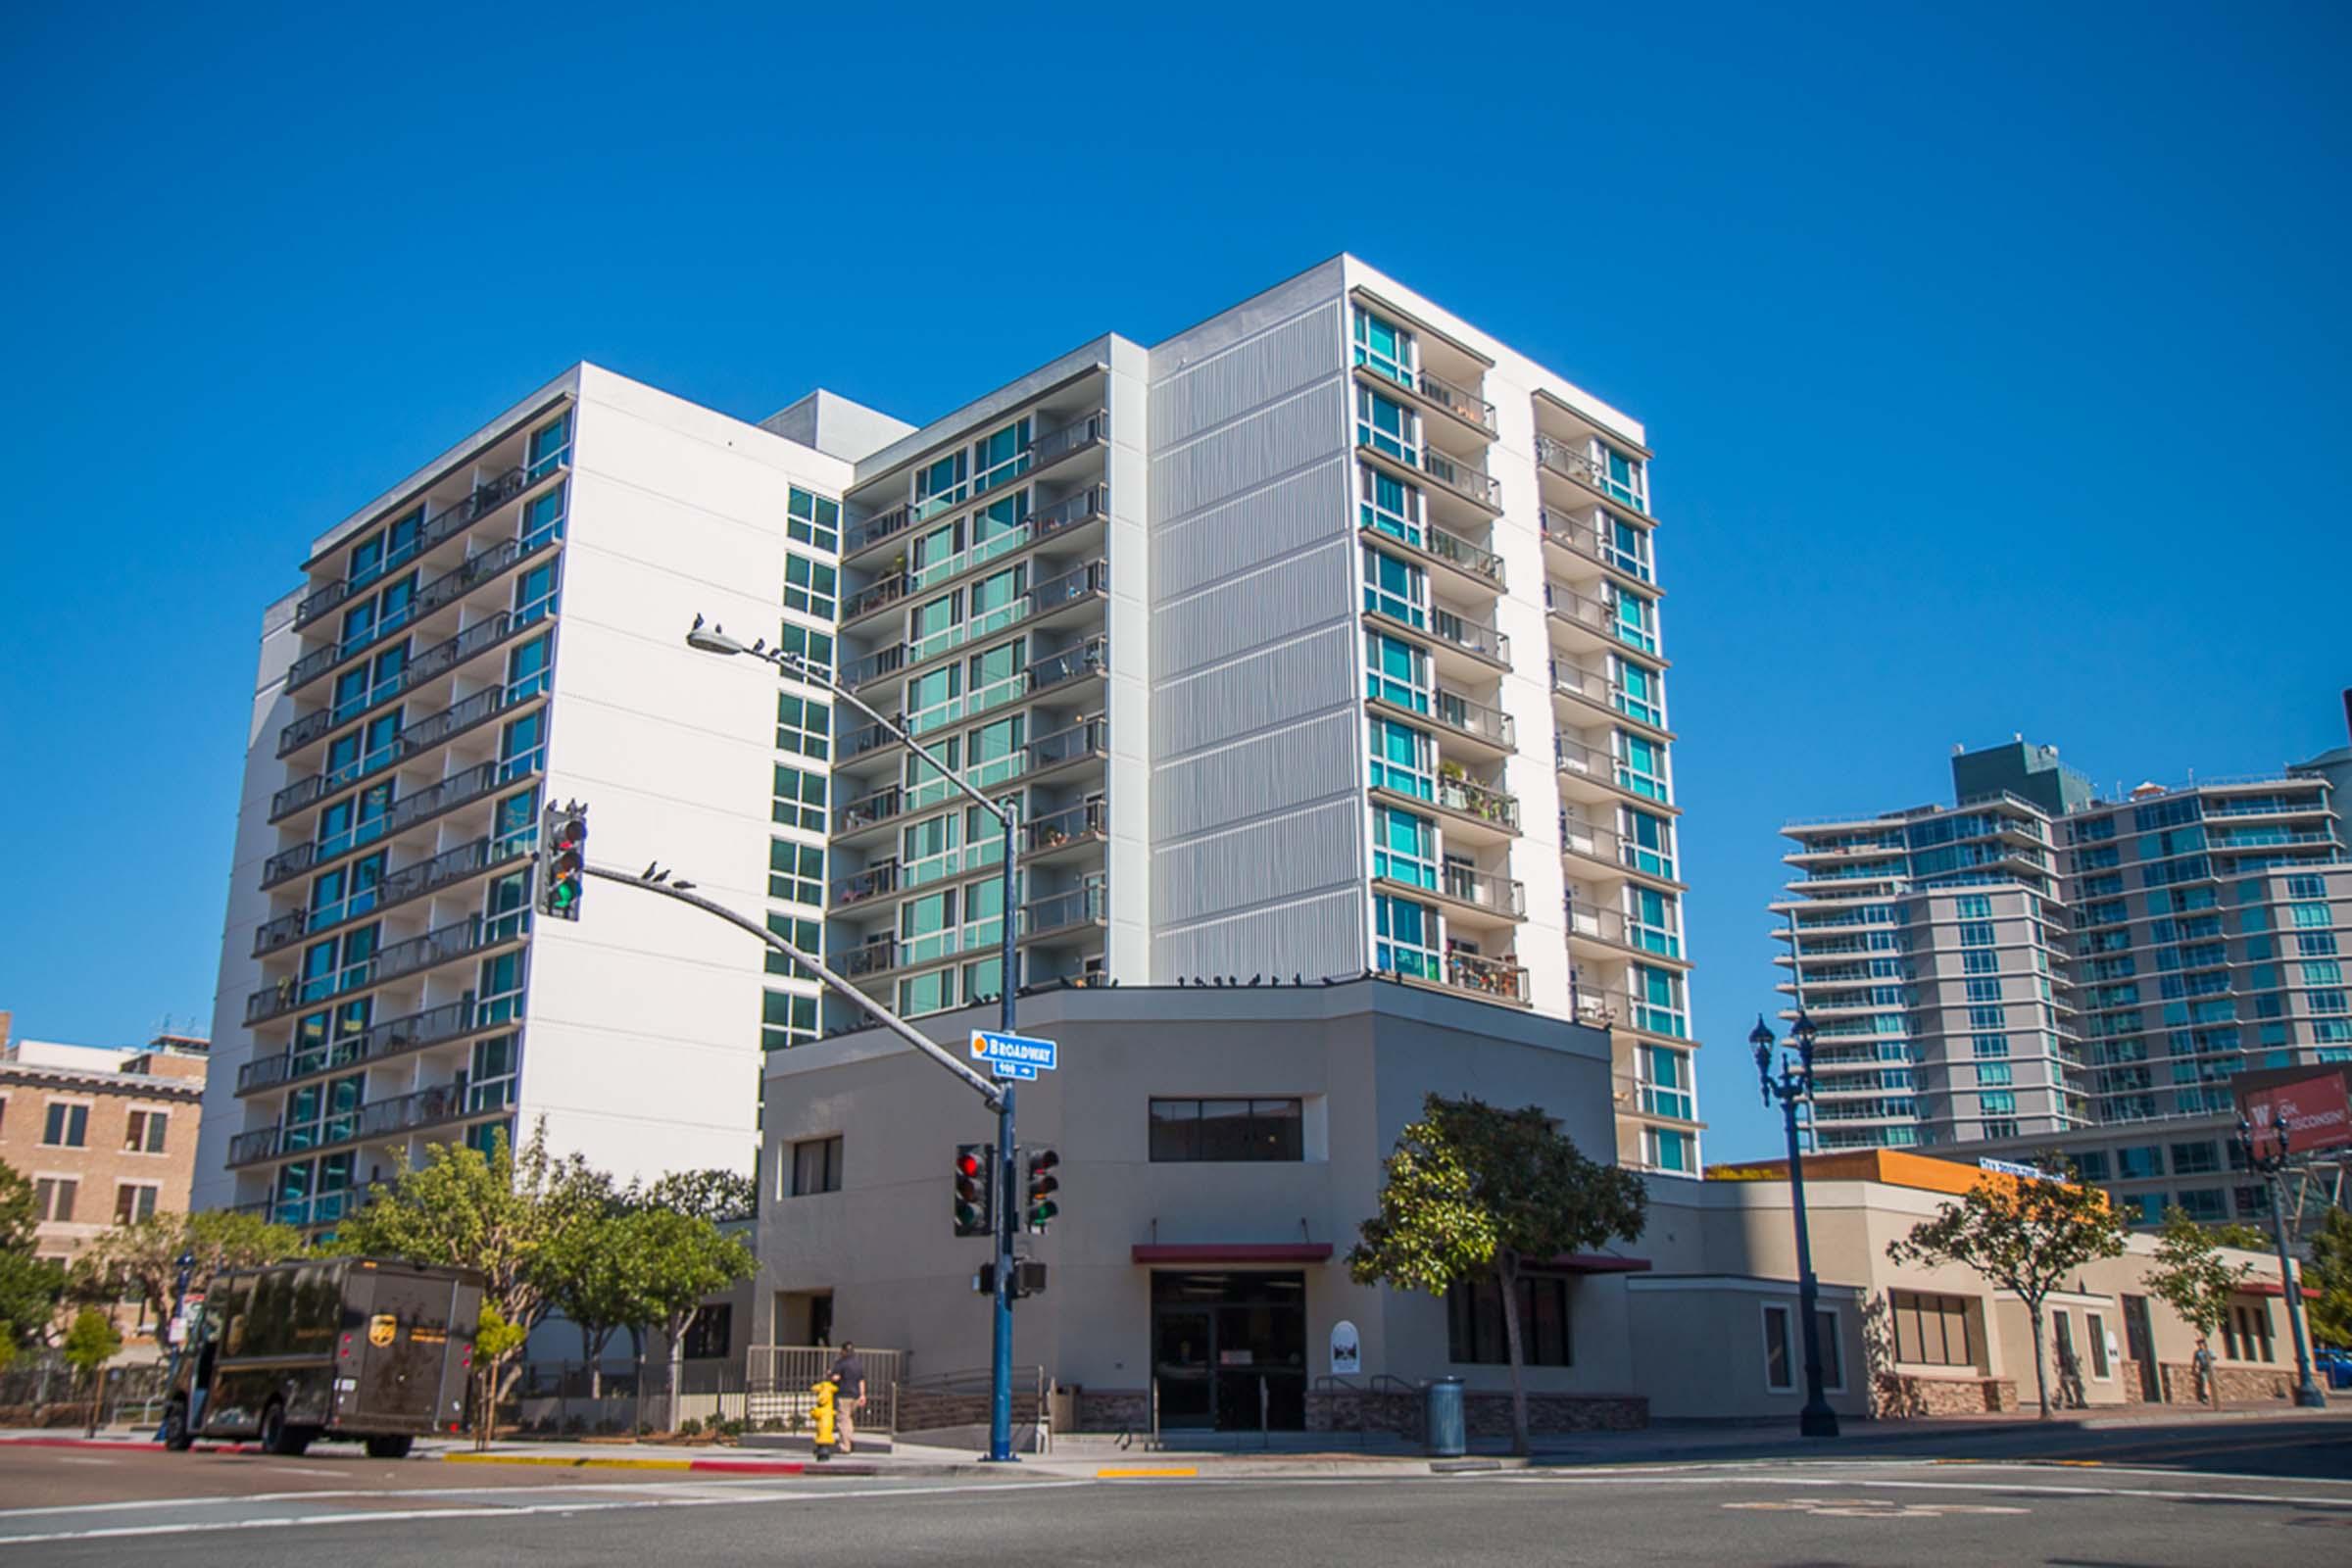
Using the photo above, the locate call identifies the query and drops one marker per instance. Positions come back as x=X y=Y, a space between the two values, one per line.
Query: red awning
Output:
x=1599 y=1263
x=2274 y=1287
x=1232 y=1251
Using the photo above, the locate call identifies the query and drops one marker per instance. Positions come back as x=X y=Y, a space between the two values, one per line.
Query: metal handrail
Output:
x=1058 y=444
x=486 y=499
x=1089 y=735
x=1460 y=475
x=1564 y=460
x=870 y=883
x=398 y=887
x=1090 y=657
x=457 y=940
x=1056 y=828
x=1487 y=723
x=1486 y=890
x=1080 y=582
x=443 y=657
x=1481 y=800
x=876 y=595
x=867 y=811
x=391 y=1038
x=412 y=741
x=462 y=579
x=1456 y=400
x=1079 y=906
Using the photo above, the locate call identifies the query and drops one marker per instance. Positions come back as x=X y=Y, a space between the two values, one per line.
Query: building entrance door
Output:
x=2139 y=1337
x=1229 y=1350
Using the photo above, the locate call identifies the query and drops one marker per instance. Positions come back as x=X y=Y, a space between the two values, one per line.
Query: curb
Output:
x=560 y=1461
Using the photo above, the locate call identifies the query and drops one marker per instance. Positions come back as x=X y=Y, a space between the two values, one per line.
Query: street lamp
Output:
x=1795 y=1082
x=2266 y=1153
x=714 y=640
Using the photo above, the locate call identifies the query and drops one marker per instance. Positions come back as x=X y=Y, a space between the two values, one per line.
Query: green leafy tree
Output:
x=2234 y=1233
x=2191 y=1275
x=2024 y=1236
x=1475 y=1193
x=495 y=1341
x=505 y=1214
x=144 y=1257
x=29 y=1288
x=679 y=1259
x=2329 y=1272
x=597 y=1281
x=92 y=1342
x=717 y=1195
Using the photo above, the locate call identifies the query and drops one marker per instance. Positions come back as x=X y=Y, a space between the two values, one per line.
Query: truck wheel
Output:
x=277 y=1436
x=381 y=1447
x=177 y=1437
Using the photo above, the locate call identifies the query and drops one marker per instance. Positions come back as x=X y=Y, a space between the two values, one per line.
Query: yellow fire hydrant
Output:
x=824 y=1389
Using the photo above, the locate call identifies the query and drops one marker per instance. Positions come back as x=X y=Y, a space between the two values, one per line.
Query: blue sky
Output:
x=1994 y=359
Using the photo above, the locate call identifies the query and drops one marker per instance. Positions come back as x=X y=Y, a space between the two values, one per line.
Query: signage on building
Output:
x=2010 y=1167
x=1346 y=1353
x=1014 y=1055
x=2313 y=1111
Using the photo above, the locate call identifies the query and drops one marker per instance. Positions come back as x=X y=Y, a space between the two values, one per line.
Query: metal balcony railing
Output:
x=871 y=883
x=1068 y=512
x=1461 y=476
x=875 y=596
x=457 y=940
x=1477 y=719
x=466 y=575
x=412 y=741
x=438 y=660
x=486 y=498
x=1485 y=889
x=878 y=957
x=1484 y=802
x=1083 y=906
x=876 y=528
x=1089 y=737
x=1089 y=658
x=1089 y=582
x=1498 y=979
x=1078 y=434
x=398 y=887
x=1478 y=560
x=1611 y=848
x=1456 y=400
x=393 y=1037
x=867 y=811
x=888 y=659
x=1086 y=819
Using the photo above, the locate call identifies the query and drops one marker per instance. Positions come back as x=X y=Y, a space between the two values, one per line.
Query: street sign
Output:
x=1014 y=1055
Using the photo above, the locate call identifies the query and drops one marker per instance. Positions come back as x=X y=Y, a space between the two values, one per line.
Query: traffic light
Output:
x=1043 y=1185
x=562 y=859
x=975 y=1187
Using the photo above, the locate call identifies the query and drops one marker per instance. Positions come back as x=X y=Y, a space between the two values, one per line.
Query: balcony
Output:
x=1610 y=701
x=1583 y=540
x=438 y=660
x=889 y=659
x=486 y=498
x=412 y=741
x=1610 y=928
x=1566 y=461
x=1084 y=661
x=1087 y=740
x=1086 y=584
x=1442 y=546
x=457 y=940
x=1474 y=814
x=1482 y=895
x=878 y=594
x=1084 y=506
x=394 y=1037
x=382 y=1118
x=410 y=811
x=1070 y=440
x=1490 y=731
x=1608 y=848
x=874 y=882
x=1454 y=637
x=1073 y=827
x=1063 y=913
x=1487 y=979
x=869 y=810
x=409 y=882
x=1588 y=773
x=461 y=579
x=877 y=957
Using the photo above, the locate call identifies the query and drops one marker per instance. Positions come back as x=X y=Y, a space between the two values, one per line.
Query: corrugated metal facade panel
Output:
x=1198 y=397
x=1264 y=862
x=1261 y=447
x=1304 y=938
x=1248 y=531
x=1257 y=793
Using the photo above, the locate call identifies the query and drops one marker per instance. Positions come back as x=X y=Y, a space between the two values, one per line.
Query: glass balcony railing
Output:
x=1075 y=436
x=871 y=883
x=1481 y=800
x=1494 y=979
x=1485 y=891
x=1087 y=659
x=1088 y=738
x=867 y=811
x=1065 y=826
x=1565 y=459
x=1089 y=582
x=1474 y=720
x=875 y=596
x=382 y=1119
x=1079 y=906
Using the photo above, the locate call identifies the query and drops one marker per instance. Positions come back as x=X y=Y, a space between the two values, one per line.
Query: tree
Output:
x=596 y=1279
x=2329 y=1273
x=1475 y=1193
x=494 y=1340
x=505 y=1214
x=2189 y=1275
x=29 y=1287
x=145 y=1255
x=92 y=1342
x=678 y=1260
x=2024 y=1234
x=2234 y=1233
x=717 y=1195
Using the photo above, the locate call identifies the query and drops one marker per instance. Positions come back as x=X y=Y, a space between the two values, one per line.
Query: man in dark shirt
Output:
x=849 y=1391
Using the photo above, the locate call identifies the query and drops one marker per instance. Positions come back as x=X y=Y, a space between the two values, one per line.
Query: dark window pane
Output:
x=1274 y=1126
x=1833 y=1364
x=1776 y=1349
x=1175 y=1129
x=1225 y=1129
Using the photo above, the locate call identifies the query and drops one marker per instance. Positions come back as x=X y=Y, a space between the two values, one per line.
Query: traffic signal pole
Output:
x=1000 y=1381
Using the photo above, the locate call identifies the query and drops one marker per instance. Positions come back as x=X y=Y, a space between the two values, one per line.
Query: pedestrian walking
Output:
x=848 y=1393
x=2204 y=1365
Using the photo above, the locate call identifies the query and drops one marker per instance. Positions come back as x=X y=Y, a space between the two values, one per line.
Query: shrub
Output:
x=691 y=1427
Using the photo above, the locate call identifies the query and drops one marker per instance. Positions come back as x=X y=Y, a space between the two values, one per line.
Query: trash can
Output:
x=1448 y=1437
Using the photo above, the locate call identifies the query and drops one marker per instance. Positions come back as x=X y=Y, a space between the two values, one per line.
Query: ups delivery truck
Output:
x=343 y=1347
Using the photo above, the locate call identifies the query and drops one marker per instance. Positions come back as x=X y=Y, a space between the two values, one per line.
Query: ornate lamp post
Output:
x=2266 y=1153
x=1793 y=1082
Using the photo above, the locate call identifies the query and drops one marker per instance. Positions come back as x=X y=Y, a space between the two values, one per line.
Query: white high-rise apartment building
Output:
x=1320 y=638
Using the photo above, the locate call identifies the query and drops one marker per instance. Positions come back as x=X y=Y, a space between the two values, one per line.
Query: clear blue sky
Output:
x=1996 y=362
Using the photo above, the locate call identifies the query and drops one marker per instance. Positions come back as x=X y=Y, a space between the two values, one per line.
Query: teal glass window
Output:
x=935 y=697
x=521 y=744
x=941 y=484
x=1403 y=759
x=526 y=668
x=1666 y=1084
x=543 y=515
x=1641 y=692
x=786 y=1019
x=926 y=993
x=1001 y=458
x=1404 y=846
x=1405 y=937
x=1386 y=425
x=1641 y=767
x=1000 y=525
x=1388 y=505
x=812 y=648
x=1627 y=546
x=1636 y=621
x=551 y=444
x=1397 y=672
x=535 y=594
x=796 y=872
x=797 y=931
x=1623 y=478
x=996 y=751
x=810 y=586
x=1650 y=840
x=925 y=785
x=812 y=519
x=1658 y=1003
x=799 y=799
x=1000 y=674
x=1396 y=588
x=929 y=850
x=803 y=726
x=1656 y=922
x=1384 y=346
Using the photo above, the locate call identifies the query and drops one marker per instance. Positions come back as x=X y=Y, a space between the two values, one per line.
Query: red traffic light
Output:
x=968 y=1164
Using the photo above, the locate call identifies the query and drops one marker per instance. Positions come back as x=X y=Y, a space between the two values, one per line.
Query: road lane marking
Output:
x=2157 y=1493
x=1147 y=1473
x=414 y=1515
x=1874 y=1509
x=298 y=1470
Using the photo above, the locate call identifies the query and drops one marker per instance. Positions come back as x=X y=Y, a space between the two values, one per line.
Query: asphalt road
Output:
x=2151 y=1495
